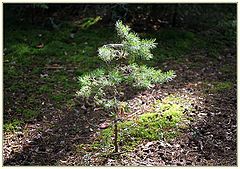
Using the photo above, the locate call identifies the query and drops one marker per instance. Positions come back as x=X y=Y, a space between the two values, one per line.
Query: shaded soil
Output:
x=210 y=139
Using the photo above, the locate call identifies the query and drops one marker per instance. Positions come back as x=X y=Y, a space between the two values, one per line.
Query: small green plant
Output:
x=228 y=69
x=107 y=86
x=30 y=114
x=215 y=87
x=87 y=22
x=58 y=97
x=44 y=89
x=12 y=126
x=221 y=86
x=40 y=5
x=70 y=104
x=11 y=72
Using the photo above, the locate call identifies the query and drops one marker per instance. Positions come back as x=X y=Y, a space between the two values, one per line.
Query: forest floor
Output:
x=45 y=124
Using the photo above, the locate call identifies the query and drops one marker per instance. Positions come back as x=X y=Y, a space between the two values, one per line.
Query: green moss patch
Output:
x=221 y=86
x=216 y=87
x=163 y=121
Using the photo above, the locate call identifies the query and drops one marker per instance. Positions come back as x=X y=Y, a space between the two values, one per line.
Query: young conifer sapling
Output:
x=106 y=86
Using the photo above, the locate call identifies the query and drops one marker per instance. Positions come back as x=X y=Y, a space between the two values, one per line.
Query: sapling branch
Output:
x=115 y=135
x=115 y=46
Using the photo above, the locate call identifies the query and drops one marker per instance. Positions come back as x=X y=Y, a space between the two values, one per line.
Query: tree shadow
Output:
x=58 y=140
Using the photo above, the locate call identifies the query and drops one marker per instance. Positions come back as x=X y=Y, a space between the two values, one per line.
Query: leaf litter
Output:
x=210 y=138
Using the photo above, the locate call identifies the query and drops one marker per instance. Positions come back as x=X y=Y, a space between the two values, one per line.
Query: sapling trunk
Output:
x=115 y=135
x=115 y=121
